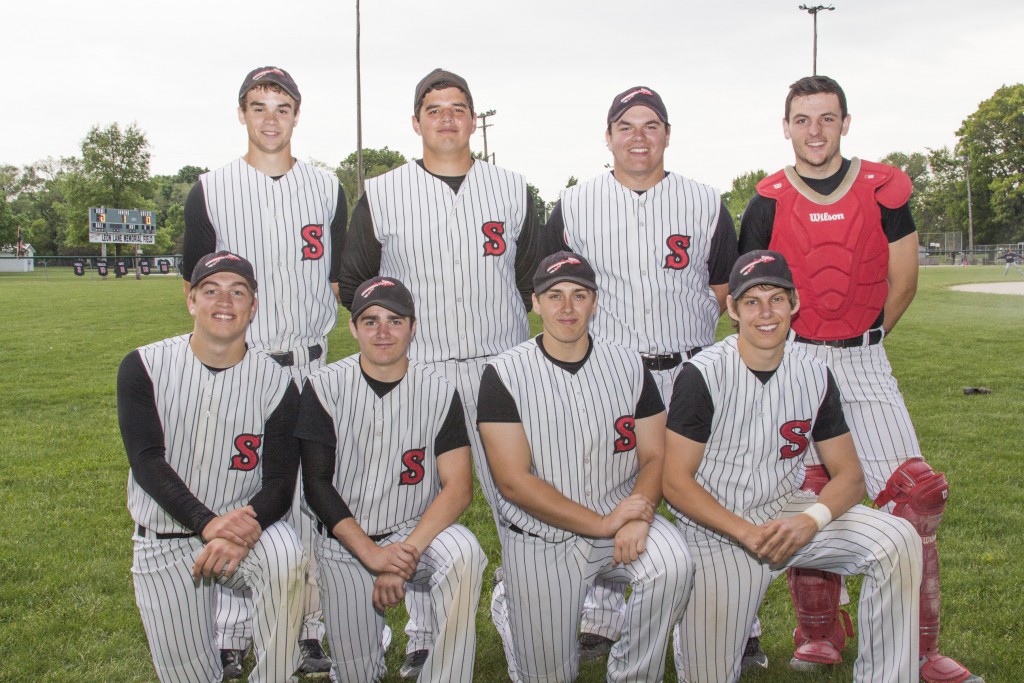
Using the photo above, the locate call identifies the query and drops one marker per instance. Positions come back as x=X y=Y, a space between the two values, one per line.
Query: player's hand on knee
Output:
x=218 y=559
x=394 y=558
x=388 y=591
x=790 y=534
x=635 y=507
x=238 y=526
x=631 y=541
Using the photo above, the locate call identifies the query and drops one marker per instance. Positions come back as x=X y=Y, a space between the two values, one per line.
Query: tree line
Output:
x=49 y=200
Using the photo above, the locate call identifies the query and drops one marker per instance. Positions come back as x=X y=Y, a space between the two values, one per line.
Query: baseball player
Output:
x=387 y=469
x=208 y=427
x=289 y=219
x=742 y=417
x=461 y=233
x=1011 y=260
x=845 y=227
x=574 y=432
x=662 y=246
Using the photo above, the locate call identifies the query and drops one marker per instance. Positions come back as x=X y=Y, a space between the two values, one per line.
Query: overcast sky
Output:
x=912 y=70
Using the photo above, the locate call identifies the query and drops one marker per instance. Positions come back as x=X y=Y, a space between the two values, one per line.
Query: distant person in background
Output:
x=1011 y=260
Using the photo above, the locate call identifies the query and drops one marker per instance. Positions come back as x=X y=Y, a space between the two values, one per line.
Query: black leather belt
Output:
x=322 y=530
x=143 y=532
x=516 y=530
x=867 y=339
x=286 y=359
x=669 y=360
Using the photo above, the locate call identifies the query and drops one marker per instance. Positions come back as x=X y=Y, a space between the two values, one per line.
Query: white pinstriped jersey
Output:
x=456 y=253
x=580 y=427
x=213 y=424
x=283 y=227
x=386 y=466
x=756 y=428
x=650 y=252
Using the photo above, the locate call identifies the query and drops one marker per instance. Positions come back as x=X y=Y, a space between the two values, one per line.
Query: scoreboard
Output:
x=122 y=226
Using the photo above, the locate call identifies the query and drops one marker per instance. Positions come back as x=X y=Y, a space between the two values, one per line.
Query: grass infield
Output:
x=67 y=610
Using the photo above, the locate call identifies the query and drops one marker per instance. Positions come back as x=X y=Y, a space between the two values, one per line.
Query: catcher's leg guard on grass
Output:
x=919 y=494
x=822 y=628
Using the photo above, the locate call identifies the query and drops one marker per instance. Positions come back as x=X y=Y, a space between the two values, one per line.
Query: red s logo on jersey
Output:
x=625 y=426
x=313 y=235
x=677 y=258
x=494 y=231
x=413 y=472
x=248 y=456
x=795 y=432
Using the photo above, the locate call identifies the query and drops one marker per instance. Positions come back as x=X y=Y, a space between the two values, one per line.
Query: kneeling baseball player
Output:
x=386 y=468
x=742 y=415
x=574 y=432
x=208 y=426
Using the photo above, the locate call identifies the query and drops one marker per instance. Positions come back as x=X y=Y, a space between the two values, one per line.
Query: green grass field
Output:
x=67 y=609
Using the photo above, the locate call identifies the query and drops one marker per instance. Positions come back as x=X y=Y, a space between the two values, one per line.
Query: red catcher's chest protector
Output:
x=835 y=245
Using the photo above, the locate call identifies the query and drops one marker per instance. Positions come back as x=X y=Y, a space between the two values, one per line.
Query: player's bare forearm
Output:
x=510 y=458
x=846 y=487
x=650 y=452
x=902 y=279
x=721 y=291
x=682 y=459
x=395 y=558
x=455 y=496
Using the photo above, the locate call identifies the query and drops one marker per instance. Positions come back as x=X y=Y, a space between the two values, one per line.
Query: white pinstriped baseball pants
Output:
x=178 y=613
x=730 y=583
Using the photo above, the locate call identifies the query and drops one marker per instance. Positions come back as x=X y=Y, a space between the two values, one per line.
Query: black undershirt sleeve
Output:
x=200 y=237
x=280 y=461
x=528 y=253
x=317 y=440
x=554 y=232
x=897 y=223
x=691 y=408
x=499 y=406
x=756 y=224
x=650 y=402
x=453 y=432
x=143 y=437
x=830 y=421
x=723 y=249
x=338 y=224
x=361 y=257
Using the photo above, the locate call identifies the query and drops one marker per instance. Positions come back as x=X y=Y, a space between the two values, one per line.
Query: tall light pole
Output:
x=813 y=11
x=484 y=126
x=359 y=112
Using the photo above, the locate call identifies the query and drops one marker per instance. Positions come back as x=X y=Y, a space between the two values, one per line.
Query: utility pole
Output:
x=484 y=126
x=813 y=11
x=359 y=112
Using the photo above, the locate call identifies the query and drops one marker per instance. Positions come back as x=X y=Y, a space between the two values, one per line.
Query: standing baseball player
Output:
x=461 y=233
x=574 y=432
x=1011 y=260
x=845 y=227
x=208 y=427
x=742 y=416
x=289 y=219
x=662 y=246
x=387 y=469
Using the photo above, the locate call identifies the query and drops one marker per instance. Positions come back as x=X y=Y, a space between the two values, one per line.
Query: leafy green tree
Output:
x=190 y=174
x=541 y=208
x=743 y=189
x=8 y=222
x=992 y=144
x=375 y=162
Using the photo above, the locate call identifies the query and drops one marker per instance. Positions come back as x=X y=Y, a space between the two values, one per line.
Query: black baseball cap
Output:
x=563 y=266
x=434 y=78
x=223 y=261
x=760 y=267
x=386 y=292
x=636 y=96
x=270 y=74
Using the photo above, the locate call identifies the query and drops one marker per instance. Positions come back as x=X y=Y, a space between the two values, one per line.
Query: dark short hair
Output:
x=815 y=85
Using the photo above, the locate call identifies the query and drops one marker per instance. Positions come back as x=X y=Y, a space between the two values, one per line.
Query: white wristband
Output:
x=820 y=513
